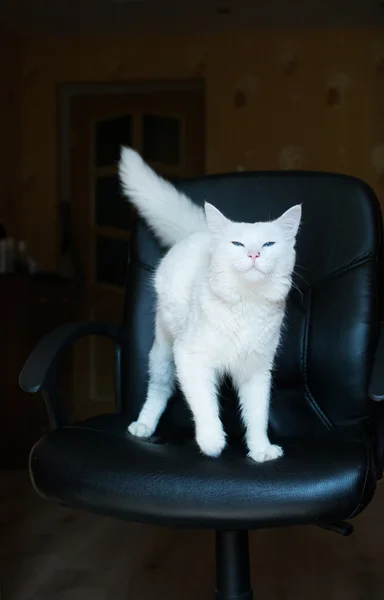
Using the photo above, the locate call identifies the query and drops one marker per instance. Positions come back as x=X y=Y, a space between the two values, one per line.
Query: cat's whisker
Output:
x=301 y=277
x=301 y=267
x=298 y=289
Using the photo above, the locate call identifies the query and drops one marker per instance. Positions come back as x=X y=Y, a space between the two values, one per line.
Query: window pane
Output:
x=109 y=136
x=111 y=260
x=161 y=139
x=111 y=209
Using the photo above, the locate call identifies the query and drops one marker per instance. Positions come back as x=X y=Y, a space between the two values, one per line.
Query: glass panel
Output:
x=161 y=139
x=109 y=136
x=111 y=210
x=111 y=260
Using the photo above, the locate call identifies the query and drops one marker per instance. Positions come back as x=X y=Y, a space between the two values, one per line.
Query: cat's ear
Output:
x=215 y=219
x=289 y=222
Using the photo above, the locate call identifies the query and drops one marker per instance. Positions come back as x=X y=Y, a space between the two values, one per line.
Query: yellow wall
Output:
x=275 y=99
x=10 y=71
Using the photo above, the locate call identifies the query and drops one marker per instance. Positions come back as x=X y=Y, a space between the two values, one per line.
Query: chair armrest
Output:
x=376 y=389
x=39 y=371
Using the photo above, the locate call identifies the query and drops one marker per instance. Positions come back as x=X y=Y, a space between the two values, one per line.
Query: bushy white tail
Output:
x=171 y=215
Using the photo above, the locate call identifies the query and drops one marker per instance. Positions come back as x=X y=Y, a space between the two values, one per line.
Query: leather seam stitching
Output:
x=93 y=430
x=118 y=435
x=353 y=265
x=304 y=359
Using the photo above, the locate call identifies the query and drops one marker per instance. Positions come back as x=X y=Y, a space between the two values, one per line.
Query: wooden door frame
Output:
x=67 y=92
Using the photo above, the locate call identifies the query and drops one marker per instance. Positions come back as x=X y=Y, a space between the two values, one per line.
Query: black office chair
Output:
x=325 y=410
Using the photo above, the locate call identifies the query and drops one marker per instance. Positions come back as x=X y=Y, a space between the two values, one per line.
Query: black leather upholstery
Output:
x=321 y=410
x=332 y=327
x=99 y=467
x=376 y=391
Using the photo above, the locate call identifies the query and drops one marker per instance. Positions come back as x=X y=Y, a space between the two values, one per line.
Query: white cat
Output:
x=221 y=292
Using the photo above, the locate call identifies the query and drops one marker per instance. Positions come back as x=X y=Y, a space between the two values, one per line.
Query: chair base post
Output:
x=233 y=581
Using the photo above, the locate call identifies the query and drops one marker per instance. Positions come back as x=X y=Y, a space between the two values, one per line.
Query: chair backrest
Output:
x=324 y=364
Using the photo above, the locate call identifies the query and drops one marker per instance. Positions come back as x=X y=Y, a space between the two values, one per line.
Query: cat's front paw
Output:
x=211 y=444
x=140 y=430
x=270 y=452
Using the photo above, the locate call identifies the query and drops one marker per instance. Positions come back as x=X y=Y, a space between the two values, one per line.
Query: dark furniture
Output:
x=322 y=410
x=29 y=308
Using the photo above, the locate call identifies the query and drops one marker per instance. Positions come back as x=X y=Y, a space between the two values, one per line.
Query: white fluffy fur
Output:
x=170 y=214
x=220 y=308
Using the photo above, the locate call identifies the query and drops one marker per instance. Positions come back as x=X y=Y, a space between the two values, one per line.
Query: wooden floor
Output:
x=53 y=553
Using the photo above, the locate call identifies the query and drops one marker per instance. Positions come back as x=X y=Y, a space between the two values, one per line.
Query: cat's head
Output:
x=254 y=251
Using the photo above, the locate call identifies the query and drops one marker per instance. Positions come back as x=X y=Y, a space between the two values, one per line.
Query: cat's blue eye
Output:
x=267 y=244
x=238 y=244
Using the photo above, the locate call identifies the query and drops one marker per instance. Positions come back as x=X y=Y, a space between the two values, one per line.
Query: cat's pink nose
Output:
x=253 y=255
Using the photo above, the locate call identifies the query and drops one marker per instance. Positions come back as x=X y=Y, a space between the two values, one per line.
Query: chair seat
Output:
x=99 y=467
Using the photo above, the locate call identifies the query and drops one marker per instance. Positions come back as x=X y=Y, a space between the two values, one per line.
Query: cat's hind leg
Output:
x=160 y=386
